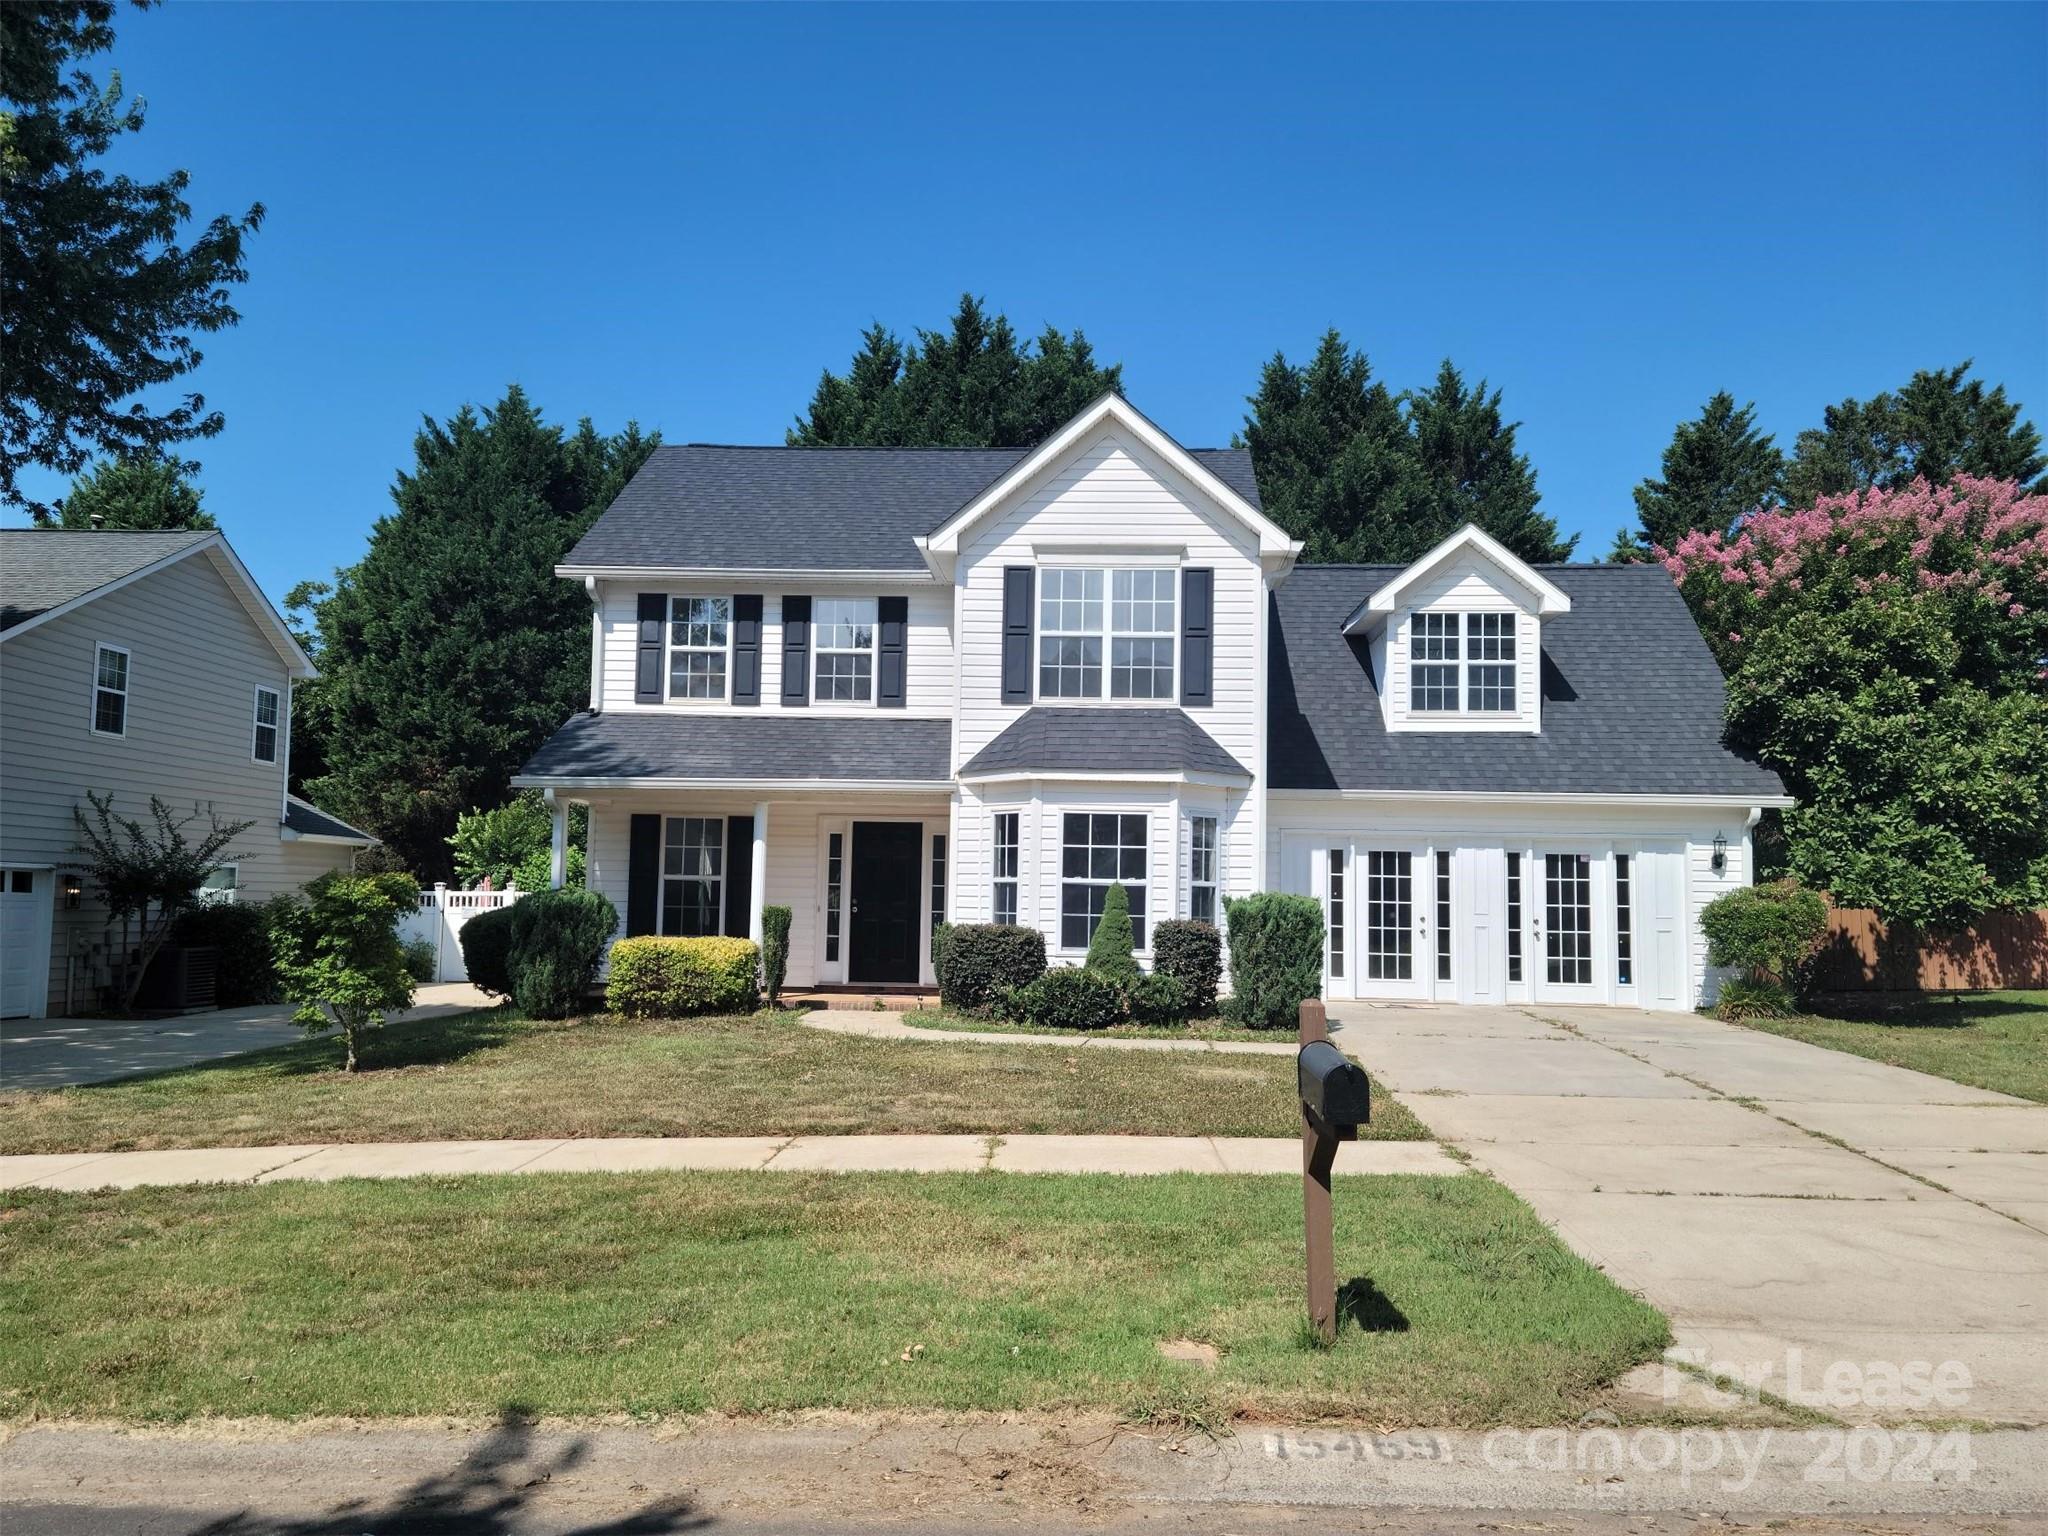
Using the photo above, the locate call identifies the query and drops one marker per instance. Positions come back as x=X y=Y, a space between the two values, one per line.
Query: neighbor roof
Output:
x=702 y=506
x=775 y=744
x=1632 y=699
x=1106 y=741
x=308 y=820
x=45 y=568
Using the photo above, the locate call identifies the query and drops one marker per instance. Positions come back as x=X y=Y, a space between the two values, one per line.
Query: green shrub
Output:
x=558 y=940
x=674 y=978
x=982 y=961
x=1066 y=998
x=1768 y=932
x=1156 y=999
x=939 y=934
x=241 y=936
x=1276 y=957
x=774 y=951
x=1109 y=949
x=338 y=955
x=421 y=959
x=1744 y=997
x=487 y=951
x=1191 y=953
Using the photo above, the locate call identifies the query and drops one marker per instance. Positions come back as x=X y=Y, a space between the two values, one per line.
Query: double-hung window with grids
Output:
x=1462 y=663
x=699 y=647
x=263 y=744
x=1202 y=868
x=843 y=635
x=1123 y=617
x=110 y=691
x=693 y=876
x=1099 y=850
x=1003 y=866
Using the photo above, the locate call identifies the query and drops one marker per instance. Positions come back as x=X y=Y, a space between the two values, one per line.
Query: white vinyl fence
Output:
x=439 y=921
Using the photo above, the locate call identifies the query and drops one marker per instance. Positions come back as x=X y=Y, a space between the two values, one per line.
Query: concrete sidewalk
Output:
x=806 y=1154
x=63 y=1053
x=877 y=1025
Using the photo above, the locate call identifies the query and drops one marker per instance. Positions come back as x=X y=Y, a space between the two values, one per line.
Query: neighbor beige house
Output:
x=137 y=664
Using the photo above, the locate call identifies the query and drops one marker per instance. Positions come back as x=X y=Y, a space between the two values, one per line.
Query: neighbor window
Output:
x=264 y=748
x=693 y=876
x=1003 y=866
x=699 y=638
x=1135 y=627
x=843 y=630
x=110 y=691
x=219 y=888
x=1462 y=661
x=1624 y=914
x=1097 y=851
x=1202 y=868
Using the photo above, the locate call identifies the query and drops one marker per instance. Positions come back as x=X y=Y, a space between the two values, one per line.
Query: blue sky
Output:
x=683 y=214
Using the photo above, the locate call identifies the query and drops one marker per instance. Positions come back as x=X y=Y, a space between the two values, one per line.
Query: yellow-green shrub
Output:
x=672 y=978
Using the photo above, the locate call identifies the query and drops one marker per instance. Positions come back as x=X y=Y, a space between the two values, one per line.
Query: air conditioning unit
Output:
x=183 y=978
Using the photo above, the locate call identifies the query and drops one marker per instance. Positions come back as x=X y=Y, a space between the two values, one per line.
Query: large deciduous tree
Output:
x=1358 y=473
x=99 y=300
x=452 y=649
x=1717 y=469
x=149 y=494
x=1887 y=653
x=1941 y=425
x=972 y=386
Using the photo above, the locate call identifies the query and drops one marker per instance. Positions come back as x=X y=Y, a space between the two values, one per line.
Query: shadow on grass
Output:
x=488 y=1493
x=1367 y=1308
x=1954 y=1010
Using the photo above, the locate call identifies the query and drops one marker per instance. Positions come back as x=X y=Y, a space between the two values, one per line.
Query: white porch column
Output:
x=558 y=841
x=757 y=885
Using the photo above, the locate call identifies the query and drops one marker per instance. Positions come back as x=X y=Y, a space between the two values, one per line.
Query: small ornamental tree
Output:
x=1109 y=950
x=339 y=957
x=1887 y=654
x=147 y=876
x=774 y=952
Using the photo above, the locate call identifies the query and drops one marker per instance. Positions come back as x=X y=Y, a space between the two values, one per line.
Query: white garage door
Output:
x=24 y=942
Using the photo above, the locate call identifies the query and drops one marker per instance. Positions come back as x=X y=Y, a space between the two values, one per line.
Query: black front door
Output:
x=886 y=888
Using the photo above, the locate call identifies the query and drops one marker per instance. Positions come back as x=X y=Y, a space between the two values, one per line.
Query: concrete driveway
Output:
x=1788 y=1207
x=60 y=1053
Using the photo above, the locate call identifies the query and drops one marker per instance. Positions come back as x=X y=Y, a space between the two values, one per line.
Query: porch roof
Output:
x=626 y=747
x=1111 y=742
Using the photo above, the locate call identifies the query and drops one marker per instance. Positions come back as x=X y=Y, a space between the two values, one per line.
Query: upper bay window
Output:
x=1099 y=850
x=699 y=647
x=843 y=633
x=1462 y=662
x=1127 y=617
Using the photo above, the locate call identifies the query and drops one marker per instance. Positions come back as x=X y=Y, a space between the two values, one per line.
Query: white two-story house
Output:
x=892 y=687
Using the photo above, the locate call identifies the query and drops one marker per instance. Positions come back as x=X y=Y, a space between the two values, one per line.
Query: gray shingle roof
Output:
x=1632 y=699
x=311 y=821
x=772 y=745
x=44 y=568
x=700 y=506
x=1110 y=741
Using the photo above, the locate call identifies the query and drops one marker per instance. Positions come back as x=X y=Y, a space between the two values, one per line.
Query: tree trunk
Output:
x=152 y=941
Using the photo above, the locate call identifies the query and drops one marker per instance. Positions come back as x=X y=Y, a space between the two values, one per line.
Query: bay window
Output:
x=1098 y=850
x=1202 y=869
x=1003 y=894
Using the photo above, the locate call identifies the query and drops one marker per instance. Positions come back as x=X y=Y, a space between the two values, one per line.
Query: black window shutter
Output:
x=796 y=651
x=891 y=642
x=647 y=680
x=1017 y=585
x=1197 y=637
x=739 y=874
x=643 y=876
x=746 y=649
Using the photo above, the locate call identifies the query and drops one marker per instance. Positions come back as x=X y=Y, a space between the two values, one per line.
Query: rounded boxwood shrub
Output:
x=1276 y=957
x=674 y=978
x=1767 y=931
x=558 y=939
x=1067 y=998
x=1192 y=954
x=774 y=951
x=1156 y=999
x=487 y=950
x=981 y=961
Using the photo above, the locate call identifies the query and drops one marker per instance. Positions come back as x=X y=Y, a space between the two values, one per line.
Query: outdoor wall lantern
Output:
x=73 y=893
x=1720 y=854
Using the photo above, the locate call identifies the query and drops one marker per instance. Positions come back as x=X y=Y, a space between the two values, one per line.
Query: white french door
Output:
x=1392 y=889
x=1569 y=962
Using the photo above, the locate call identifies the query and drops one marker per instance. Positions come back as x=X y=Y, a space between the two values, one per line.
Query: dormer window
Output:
x=1462 y=661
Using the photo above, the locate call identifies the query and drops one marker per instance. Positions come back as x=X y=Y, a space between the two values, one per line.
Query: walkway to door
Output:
x=1787 y=1206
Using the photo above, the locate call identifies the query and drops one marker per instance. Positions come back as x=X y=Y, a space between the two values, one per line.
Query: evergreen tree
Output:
x=147 y=494
x=1360 y=474
x=1937 y=427
x=973 y=386
x=1110 y=946
x=1717 y=467
x=452 y=649
x=99 y=303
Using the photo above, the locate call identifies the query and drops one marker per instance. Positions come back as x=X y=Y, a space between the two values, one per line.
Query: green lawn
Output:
x=679 y=1293
x=492 y=1075
x=1194 y=1029
x=1996 y=1040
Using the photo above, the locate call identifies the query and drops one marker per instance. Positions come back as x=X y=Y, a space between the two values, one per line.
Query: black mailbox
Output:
x=1334 y=1089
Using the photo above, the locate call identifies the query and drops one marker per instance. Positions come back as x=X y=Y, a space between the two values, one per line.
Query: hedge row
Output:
x=672 y=978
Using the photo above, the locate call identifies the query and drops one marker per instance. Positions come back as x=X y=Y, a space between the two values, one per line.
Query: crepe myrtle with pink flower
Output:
x=1887 y=653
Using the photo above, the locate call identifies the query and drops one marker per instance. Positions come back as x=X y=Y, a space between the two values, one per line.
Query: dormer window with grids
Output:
x=1462 y=662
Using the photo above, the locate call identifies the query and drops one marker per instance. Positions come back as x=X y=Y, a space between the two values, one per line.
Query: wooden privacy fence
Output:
x=1862 y=953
